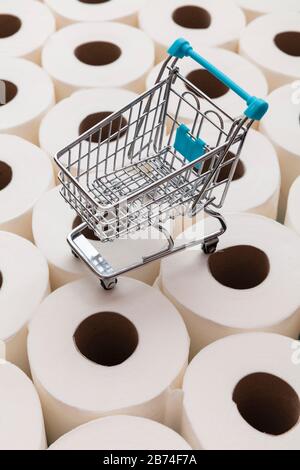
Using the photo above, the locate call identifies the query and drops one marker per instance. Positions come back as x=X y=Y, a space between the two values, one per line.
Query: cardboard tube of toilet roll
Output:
x=272 y=42
x=22 y=105
x=85 y=55
x=25 y=174
x=284 y=107
x=242 y=393
x=292 y=218
x=236 y=289
x=129 y=347
x=203 y=22
x=121 y=433
x=24 y=283
x=25 y=26
x=73 y=11
x=52 y=222
x=21 y=424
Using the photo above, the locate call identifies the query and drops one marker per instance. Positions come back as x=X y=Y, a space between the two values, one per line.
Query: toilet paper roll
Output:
x=74 y=115
x=52 y=222
x=129 y=347
x=21 y=424
x=285 y=108
x=272 y=42
x=121 y=433
x=72 y=11
x=292 y=218
x=242 y=393
x=25 y=27
x=255 y=8
x=23 y=105
x=87 y=55
x=240 y=70
x=202 y=22
x=25 y=174
x=235 y=289
x=251 y=190
x=24 y=282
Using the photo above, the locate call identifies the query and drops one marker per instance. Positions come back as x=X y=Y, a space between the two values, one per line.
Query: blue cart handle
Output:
x=257 y=107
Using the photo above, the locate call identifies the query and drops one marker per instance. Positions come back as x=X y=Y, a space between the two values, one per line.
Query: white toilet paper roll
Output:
x=23 y=105
x=242 y=393
x=21 y=424
x=78 y=113
x=117 y=352
x=281 y=126
x=256 y=183
x=24 y=282
x=272 y=42
x=235 y=289
x=205 y=22
x=25 y=174
x=72 y=11
x=89 y=55
x=292 y=218
x=121 y=433
x=25 y=26
x=240 y=70
x=254 y=8
x=52 y=222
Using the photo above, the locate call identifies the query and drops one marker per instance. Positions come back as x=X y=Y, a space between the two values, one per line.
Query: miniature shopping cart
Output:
x=125 y=175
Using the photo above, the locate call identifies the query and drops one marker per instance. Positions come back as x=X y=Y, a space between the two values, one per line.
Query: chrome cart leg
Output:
x=210 y=243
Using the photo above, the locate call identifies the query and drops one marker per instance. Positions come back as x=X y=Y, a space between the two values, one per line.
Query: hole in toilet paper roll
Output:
x=9 y=25
x=1 y=279
x=88 y=233
x=192 y=17
x=5 y=175
x=106 y=338
x=8 y=92
x=98 y=53
x=289 y=42
x=239 y=267
x=267 y=403
x=118 y=124
x=207 y=83
x=226 y=169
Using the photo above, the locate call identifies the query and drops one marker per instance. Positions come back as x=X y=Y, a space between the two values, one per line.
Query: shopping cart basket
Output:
x=124 y=175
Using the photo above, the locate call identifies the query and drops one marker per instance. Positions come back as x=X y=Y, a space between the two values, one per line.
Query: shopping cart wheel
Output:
x=109 y=284
x=210 y=246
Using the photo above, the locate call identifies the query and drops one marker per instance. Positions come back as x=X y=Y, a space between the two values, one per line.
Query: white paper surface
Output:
x=139 y=386
x=70 y=74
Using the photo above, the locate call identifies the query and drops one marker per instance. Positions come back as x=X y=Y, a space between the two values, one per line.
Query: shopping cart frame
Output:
x=179 y=165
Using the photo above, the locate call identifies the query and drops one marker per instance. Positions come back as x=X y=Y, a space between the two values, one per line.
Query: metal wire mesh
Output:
x=125 y=174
